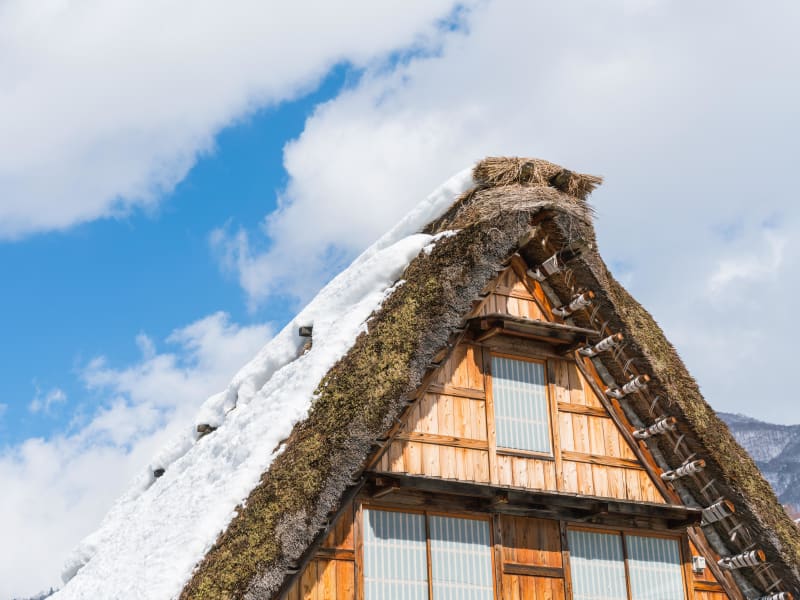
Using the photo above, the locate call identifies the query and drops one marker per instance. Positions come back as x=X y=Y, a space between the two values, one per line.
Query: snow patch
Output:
x=154 y=535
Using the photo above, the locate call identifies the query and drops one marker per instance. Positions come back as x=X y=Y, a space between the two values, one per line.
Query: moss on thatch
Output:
x=366 y=390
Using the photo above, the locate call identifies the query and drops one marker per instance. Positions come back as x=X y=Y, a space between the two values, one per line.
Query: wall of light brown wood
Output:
x=330 y=575
x=706 y=586
x=446 y=432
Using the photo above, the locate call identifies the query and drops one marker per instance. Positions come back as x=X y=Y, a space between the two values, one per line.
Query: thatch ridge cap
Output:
x=497 y=171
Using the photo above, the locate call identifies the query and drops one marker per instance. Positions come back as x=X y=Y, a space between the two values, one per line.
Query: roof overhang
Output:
x=532 y=503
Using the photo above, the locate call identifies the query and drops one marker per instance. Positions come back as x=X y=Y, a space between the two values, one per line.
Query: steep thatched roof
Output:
x=367 y=389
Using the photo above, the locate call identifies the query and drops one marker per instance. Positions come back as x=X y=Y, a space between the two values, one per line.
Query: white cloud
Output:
x=44 y=402
x=649 y=96
x=749 y=268
x=105 y=106
x=63 y=486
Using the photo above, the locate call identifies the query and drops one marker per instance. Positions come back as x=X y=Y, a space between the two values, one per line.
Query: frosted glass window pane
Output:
x=520 y=405
x=395 y=556
x=461 y=559
x=654 y=565
x=597 y=566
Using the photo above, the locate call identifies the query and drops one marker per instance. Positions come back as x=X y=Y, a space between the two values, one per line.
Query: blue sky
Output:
x=172 y=189
x=88 y=291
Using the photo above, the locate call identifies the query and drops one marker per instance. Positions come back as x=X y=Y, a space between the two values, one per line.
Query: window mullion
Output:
x=428 y=551
x=627 y=567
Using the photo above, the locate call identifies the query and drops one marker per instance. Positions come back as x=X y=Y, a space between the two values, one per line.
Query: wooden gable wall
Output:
x=449 y=433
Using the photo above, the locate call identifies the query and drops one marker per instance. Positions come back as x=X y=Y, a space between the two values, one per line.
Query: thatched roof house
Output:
x=523 y=232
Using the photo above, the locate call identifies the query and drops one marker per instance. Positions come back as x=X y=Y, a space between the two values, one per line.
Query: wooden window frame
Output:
x=551 y=456
x=358 y=541
x=680 y=538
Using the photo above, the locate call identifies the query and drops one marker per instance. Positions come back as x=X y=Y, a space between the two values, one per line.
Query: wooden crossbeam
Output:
x=487 y=326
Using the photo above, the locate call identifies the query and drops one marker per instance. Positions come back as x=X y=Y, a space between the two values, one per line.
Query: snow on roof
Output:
x=151 y=539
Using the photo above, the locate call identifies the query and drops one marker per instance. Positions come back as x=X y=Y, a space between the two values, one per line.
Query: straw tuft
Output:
x=501 y=171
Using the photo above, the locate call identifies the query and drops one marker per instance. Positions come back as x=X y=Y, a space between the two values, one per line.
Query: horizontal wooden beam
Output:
x=580 y=409
x=533 y=570
x=492 y=498
x=487 y=326
x=335 y=554
x=599 y=459
x=708 y=586
x=443 y=440
x=459 y=392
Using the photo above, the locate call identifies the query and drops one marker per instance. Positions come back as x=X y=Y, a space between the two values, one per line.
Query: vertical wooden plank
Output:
x=550 y=479
x=557 y=374
x=589 y=395
x=575 y=384
x=483 y=467
x=446 y=424
x=566 y=434
x=520 y=472
x=569 y=477
x=499 y=542
x=461 y=426
x=585 y=479
x=490 y=426
x=612 y=439
x=648 y=489
x=480 y=410
x=475 y=367
x=358 y=539
x=633 y=486
x=396 y=464
x=616 y=482
x=597 y=443
x=686 y=563
x=580 y=428
x=412 y=457
x=345 y=584
x=326 y=586
x=565 y=561
x=504 y=470
x=308 y=581
x=600 y=478
x=383 y=464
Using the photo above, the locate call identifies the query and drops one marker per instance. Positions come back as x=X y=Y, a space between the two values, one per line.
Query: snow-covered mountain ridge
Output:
x=776 y=450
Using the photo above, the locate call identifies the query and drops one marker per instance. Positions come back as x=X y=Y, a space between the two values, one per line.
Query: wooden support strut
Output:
x=657 y=428
x=603 y=345
x=634 y=385
x=718 y=511
x=578 y=302
x=689 y=468
x=740 y=561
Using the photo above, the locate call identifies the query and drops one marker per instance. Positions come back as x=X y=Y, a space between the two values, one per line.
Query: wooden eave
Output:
x=532 y=503
x=557 y=334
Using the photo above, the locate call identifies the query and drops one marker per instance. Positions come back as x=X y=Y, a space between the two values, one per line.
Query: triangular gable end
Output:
x=446 y=433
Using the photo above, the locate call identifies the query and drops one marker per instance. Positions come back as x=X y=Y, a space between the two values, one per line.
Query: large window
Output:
x=519 y=394
x=615 y=566
x=411 y=556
